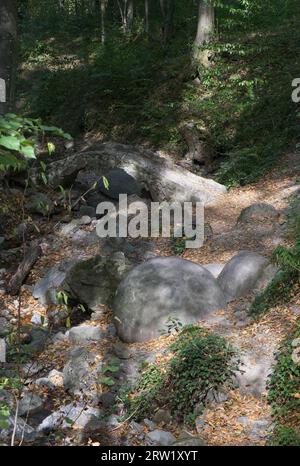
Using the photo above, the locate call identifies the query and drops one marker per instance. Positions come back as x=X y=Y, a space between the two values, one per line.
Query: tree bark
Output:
x=8 y=41
x=167 y=10
x=147 y=16
x=205 y=29
x=206 y=22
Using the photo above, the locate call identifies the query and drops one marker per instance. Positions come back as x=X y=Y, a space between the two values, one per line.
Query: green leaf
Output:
x=28 y=152
x=10 y=142
x=68 y=322
x=105 y=182
x=107 y=381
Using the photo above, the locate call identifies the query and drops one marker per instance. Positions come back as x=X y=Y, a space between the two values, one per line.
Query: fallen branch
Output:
x=30 y=258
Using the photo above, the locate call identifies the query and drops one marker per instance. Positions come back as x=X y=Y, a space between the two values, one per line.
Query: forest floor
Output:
x=225 y=422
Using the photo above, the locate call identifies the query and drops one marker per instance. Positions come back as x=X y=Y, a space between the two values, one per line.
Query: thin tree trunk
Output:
x=167 y=10
x=8 y=42
x=206 y=22
x=103 y=11
x=205 y=29
x=147 y=16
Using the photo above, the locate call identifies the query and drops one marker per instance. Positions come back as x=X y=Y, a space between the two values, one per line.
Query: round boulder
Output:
x=245 y=272
x=260 y=212
x=160 y=288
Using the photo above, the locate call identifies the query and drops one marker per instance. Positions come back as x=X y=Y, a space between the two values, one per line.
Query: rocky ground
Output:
x=64 y=400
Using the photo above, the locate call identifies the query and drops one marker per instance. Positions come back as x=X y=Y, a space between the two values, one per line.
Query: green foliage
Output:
x=284 y=382
x=199 y=362
x=18 y=139
x=284 y=437
x=284 y=395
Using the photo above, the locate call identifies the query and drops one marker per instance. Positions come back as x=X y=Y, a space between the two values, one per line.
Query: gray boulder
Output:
x=159 y=175
x=45 y=289
x=160 y=288
x=77 y=372
x=120 y=182
x=84 y=334
x=260 y=212
x=30 y=403
x=245 y=272
x=70 y=415
x=93 y=282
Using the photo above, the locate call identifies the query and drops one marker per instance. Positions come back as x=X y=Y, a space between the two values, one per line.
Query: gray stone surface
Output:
x=71 y=415
x=120 y=182
x=260 y=212
x=160 y=437
x=30 y=403
x=84 y=334
x=163 y=287
x=45 y=289
x=77 y=372
x=159 y=175
x=93 y=282
x=255 y=372
x=245 y=272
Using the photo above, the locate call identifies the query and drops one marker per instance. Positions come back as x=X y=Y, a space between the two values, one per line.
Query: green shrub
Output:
x=199 y=362
x=283 y=395
x=284 y=437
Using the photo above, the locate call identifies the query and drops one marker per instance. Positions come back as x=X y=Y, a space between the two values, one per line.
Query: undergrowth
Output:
x=284 y=396
x=198 y=362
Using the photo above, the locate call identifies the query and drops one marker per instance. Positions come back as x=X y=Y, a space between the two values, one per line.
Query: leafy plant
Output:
x=284 y=396
x=200 y=361
x=18 y=139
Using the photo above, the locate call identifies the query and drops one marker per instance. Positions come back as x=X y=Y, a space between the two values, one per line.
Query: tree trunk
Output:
x=205 y=29
x=167 y=10
x=103 y=11
x=147 y=16
x=8 y=40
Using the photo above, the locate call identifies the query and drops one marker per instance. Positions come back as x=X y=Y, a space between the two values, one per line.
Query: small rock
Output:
x=85 y=220
x=30 y=403
x=84 y=334
x=122 y=351
x=150 y=424
x=217 y=397
x=260 y=212
x=2 y=350
x=162 y=416
x=161 y=437
x=135 y=428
